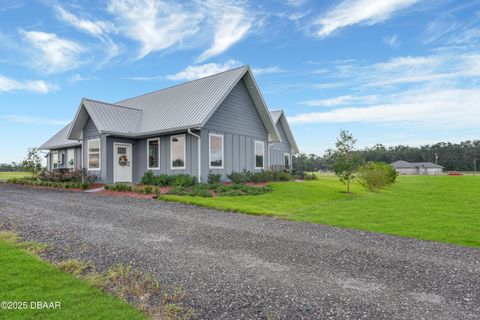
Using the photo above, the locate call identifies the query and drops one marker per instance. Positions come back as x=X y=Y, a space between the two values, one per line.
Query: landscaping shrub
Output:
x=149 y=178
x=184 y=180
x=145 y=189
x=67 y=175
x=256 y=177
x=50 y=184
x=374 y=176
x=309 y=176
x=163 y=180
x=203 y=190
x=214 y=178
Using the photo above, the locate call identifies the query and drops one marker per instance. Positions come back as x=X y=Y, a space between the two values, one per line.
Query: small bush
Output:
x=163 y=180
x=237 y=177
x=67 y=175
x=309 y=176
x=184 y=180
x=214 y=178
x=257 y=177
x=50 y=184
x=374 y=176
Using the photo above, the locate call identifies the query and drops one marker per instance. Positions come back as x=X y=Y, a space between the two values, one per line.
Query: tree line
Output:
x=12 y=167
x=463 y=156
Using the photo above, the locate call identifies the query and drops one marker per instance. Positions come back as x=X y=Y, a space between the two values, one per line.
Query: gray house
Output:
x=214 y=124
x=425 y=168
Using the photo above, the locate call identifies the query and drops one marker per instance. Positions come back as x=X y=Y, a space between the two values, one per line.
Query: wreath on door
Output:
x=123 y=160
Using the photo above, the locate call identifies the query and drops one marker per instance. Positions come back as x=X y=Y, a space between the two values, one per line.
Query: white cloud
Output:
x=200 y=71
x=231 y=24
x=157 y=25
x=437 y=109
x=351 y=12
x=267 y=70
x=96 y=28
x=50 y=53
x=34 y=120
x=36 y=86
x=341 y=100
x=392 y=41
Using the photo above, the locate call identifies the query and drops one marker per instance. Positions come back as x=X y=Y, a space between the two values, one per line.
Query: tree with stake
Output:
x=347 y=160
x=33 y=162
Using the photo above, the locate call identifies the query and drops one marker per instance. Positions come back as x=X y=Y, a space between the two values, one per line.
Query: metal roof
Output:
x=59 y=140
x=412 y=165
x=187 y=105
x=279 y=115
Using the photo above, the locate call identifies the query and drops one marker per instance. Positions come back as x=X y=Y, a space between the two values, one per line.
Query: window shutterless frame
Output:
x=99 y=155
x=148 y=154
x=216 y=135
x=184 y=152
x=263 y=154
x=286 y=156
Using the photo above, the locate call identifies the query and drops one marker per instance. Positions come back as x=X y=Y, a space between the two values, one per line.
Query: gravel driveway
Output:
x=237 y=266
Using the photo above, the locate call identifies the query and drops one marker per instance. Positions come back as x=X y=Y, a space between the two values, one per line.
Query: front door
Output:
x=122 y=163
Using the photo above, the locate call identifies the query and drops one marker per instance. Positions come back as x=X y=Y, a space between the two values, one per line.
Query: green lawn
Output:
x=439 y=208
x=7 y=175
x=24 y=277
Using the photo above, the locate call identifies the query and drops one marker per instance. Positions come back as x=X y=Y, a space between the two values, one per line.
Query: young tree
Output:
x=33 y=162
x=347 y=160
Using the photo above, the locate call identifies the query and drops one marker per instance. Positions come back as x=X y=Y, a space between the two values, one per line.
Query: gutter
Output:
x=199 y=139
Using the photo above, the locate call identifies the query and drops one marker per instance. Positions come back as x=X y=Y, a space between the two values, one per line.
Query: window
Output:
x=94 y=154
x=259 y=154
x=71 y=158
x=216 y=151
x=177 y=151
x=55 y=159
x=286 y=157
x=153 y=153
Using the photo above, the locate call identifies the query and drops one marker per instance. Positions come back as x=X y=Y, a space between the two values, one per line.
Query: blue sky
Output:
x=390 y=71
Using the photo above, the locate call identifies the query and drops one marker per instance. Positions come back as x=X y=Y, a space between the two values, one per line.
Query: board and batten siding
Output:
x=139 y=155
x=238 y=121
x=278 y=149
x=90 y=132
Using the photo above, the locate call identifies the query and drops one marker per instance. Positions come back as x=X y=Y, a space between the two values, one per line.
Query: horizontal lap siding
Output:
x=238 y=121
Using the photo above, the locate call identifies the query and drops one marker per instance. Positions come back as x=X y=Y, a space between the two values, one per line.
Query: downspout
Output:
x=199 y=139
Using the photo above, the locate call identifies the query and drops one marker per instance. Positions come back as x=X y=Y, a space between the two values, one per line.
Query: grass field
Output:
x=7 y=175
x=26 y=278
x=439 y=208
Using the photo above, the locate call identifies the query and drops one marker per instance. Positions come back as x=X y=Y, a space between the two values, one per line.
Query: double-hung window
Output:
x=259 y=155
x=153 y=153
x=215 y=151
x=55 y=159
x=70 y=158
x=94 y=154
x=177 y=152
x=286 y=160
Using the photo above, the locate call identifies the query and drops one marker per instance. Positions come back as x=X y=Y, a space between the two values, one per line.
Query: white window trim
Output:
x=289 y=159
x=184 y=152
x=99 y=155
x=54 y=162
x=73 y=158
x=210 y=135
x=148 y=154
x=255 y=154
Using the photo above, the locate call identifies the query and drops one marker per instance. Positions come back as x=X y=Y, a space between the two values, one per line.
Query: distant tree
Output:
x=33 y=161
x=347 y=160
